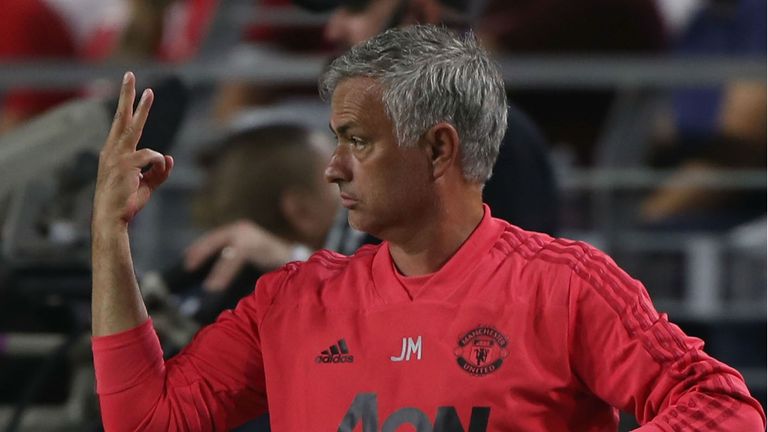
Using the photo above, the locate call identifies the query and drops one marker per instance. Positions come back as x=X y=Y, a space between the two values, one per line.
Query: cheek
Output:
x=415 y=174
x=392 y=182
x=407 y=186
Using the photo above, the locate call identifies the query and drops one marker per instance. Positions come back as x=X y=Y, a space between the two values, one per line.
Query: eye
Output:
x=357 y=142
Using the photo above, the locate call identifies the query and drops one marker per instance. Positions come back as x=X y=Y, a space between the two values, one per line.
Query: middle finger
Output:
x=124 y=111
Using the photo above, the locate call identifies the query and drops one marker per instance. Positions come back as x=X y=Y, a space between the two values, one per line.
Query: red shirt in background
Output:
x=29 y=30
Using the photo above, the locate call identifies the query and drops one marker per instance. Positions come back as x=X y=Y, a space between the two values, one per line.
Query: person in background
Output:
x=264 y=202
x=711 y=128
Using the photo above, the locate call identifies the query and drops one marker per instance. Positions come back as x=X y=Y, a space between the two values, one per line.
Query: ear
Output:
x=443 y=147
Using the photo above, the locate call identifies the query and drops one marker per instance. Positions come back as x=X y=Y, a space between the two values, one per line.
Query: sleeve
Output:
x=217 y=382
x=636 y=360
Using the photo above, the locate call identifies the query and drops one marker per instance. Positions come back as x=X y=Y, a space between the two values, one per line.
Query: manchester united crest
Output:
x=481 y=351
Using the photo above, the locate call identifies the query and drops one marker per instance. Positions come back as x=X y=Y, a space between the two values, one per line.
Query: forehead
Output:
x=356 y=99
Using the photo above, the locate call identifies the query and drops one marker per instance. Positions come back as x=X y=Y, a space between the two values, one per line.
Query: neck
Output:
x=434 y=239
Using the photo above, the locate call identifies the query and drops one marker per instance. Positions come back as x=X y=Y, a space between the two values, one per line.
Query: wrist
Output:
x=108 y=227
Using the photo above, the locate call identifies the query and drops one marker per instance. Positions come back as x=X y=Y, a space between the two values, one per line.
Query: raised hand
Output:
x=122 y=190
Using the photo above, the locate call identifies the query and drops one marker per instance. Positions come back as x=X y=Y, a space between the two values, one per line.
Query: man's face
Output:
x=386 y=187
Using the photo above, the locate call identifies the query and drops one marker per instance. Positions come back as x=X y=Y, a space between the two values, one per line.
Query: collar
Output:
x=449 y=277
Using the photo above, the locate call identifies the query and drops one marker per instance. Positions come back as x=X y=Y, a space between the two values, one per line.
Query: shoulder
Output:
x=303 y=279
x=543 y=249
x=552 y=257
x=586 y=271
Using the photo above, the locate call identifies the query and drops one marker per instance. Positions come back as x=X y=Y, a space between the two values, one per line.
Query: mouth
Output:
x=348 y=201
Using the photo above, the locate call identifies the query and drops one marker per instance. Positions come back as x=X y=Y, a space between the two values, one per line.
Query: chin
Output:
x=362 y=223
x=355 y=221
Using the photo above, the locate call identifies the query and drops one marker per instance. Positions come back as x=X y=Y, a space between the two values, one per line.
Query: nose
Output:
x=338 y=170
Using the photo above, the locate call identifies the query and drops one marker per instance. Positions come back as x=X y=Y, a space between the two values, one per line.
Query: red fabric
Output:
x=517 y=331
x=30 y=30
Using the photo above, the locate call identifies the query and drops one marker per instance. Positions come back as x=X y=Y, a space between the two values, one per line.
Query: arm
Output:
x=217 y=381
x=634 y=359
x=121 y=192
x=739 y=143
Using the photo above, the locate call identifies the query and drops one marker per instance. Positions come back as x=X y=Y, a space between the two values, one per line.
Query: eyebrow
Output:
x=341 y=130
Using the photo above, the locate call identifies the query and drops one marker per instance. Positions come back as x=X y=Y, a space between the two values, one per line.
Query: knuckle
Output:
x=148 y=154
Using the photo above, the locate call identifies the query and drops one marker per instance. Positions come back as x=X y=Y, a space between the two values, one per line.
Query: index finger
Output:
x=124 y=111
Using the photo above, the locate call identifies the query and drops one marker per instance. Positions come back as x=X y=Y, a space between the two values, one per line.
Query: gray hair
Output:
x=430 y=75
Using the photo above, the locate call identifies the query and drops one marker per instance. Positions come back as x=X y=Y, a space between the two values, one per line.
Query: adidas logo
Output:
x=337 y=353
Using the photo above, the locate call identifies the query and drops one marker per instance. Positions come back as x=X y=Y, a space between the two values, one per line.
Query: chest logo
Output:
x=481 y=351
x=336 y=353
x=410 y=347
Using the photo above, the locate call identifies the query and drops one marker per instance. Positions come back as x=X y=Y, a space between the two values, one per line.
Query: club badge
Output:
x=481 y=351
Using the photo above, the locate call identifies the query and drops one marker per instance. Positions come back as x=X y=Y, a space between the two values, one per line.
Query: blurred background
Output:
x=637 y=125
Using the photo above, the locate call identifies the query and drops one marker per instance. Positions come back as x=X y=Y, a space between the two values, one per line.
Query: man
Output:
x=457 y=321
